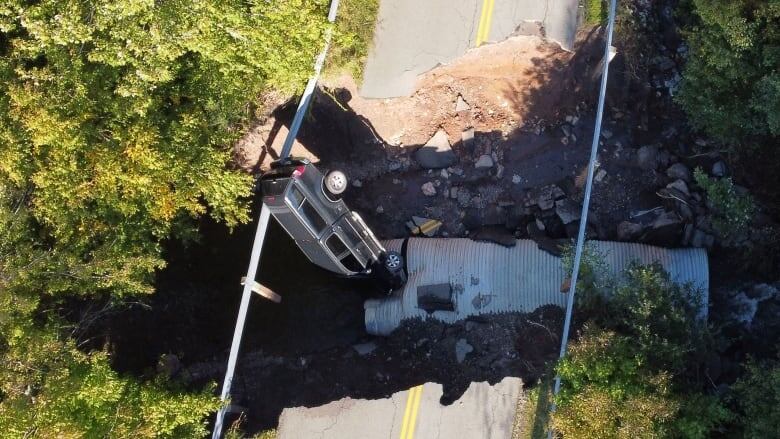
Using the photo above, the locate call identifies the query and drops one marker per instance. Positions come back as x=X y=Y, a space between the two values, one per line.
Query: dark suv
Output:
x=308 y=205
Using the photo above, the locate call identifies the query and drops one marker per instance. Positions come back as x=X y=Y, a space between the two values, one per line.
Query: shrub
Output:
x=596 y=12
x=757 y=397
x=50 y=389
x=353 y=37
x=609 y=392
x=732 y=211
x=633 y=372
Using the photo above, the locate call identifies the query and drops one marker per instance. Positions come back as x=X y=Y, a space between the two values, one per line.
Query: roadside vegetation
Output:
x=353 y=37
x=595 y=11
x=638 y=367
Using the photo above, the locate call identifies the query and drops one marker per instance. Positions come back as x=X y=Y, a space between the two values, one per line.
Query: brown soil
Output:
x=507 y=85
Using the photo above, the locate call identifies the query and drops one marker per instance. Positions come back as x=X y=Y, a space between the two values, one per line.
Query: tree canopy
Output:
x=118 y=116
x=116 y=123
x=731 y=83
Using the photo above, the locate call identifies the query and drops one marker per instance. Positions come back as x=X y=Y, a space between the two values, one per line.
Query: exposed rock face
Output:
x=437 y=153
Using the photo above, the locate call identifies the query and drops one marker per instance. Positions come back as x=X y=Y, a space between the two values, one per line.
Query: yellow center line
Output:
x=481 y=22
x=410 y=414
x=488 y=20
x=415 y=410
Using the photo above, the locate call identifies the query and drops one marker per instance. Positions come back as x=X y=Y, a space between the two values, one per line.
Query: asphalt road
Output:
x=484 y=411
x=412 y=37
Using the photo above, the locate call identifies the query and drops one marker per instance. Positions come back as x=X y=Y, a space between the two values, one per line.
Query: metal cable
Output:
x=586 y=203
x=262 y=224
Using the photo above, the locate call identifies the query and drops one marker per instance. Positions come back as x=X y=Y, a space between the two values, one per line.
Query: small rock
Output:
x=680 y=186
x=499 y=171
x=516 y=179
x=484 y=161
x=168 y=365
x=380 y=209
x=540 y=224
x=437 y=153
x=666 y=230
x=467 y=138
x=357 y=183
x=647 y=157
x=397 y=181
x=687 y=234
x=719 y=169
x=462 y=348
x=678 y=171
x=364 y=348
x=607 y=134
x=454 y=192
x=600 y=174
x=461 y=104
x=568 y=211
x=628 y=231
x=428 y=189
x=547 y=196
x=495 y=234
x=444 y=174
x=697 y=240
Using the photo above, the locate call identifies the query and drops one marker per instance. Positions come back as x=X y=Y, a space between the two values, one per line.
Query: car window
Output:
x=310 y=214
x=351 y=263
x=336 y=245
x=295 y=197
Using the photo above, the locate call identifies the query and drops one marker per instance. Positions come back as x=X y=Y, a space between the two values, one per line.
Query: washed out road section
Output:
x=412 y=37
x=484 y=410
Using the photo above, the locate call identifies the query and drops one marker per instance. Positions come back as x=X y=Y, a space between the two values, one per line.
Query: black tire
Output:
x=391 y=272
x=335 y=183
x=394 y=262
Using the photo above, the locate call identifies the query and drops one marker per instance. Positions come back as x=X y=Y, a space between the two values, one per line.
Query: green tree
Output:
x=51 y=389
x=731 y=84
x=48 y=388
x=118 y=116
x=757 y=397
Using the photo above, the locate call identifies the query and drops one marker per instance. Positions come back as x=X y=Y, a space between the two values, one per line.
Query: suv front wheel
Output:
x=391 y=273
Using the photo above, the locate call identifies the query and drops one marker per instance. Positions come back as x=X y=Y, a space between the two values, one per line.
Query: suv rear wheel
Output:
x=335 y=183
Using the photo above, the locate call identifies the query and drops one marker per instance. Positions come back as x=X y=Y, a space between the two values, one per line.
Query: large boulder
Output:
x=437 y=153
x=628 y=231
x=666 y=230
